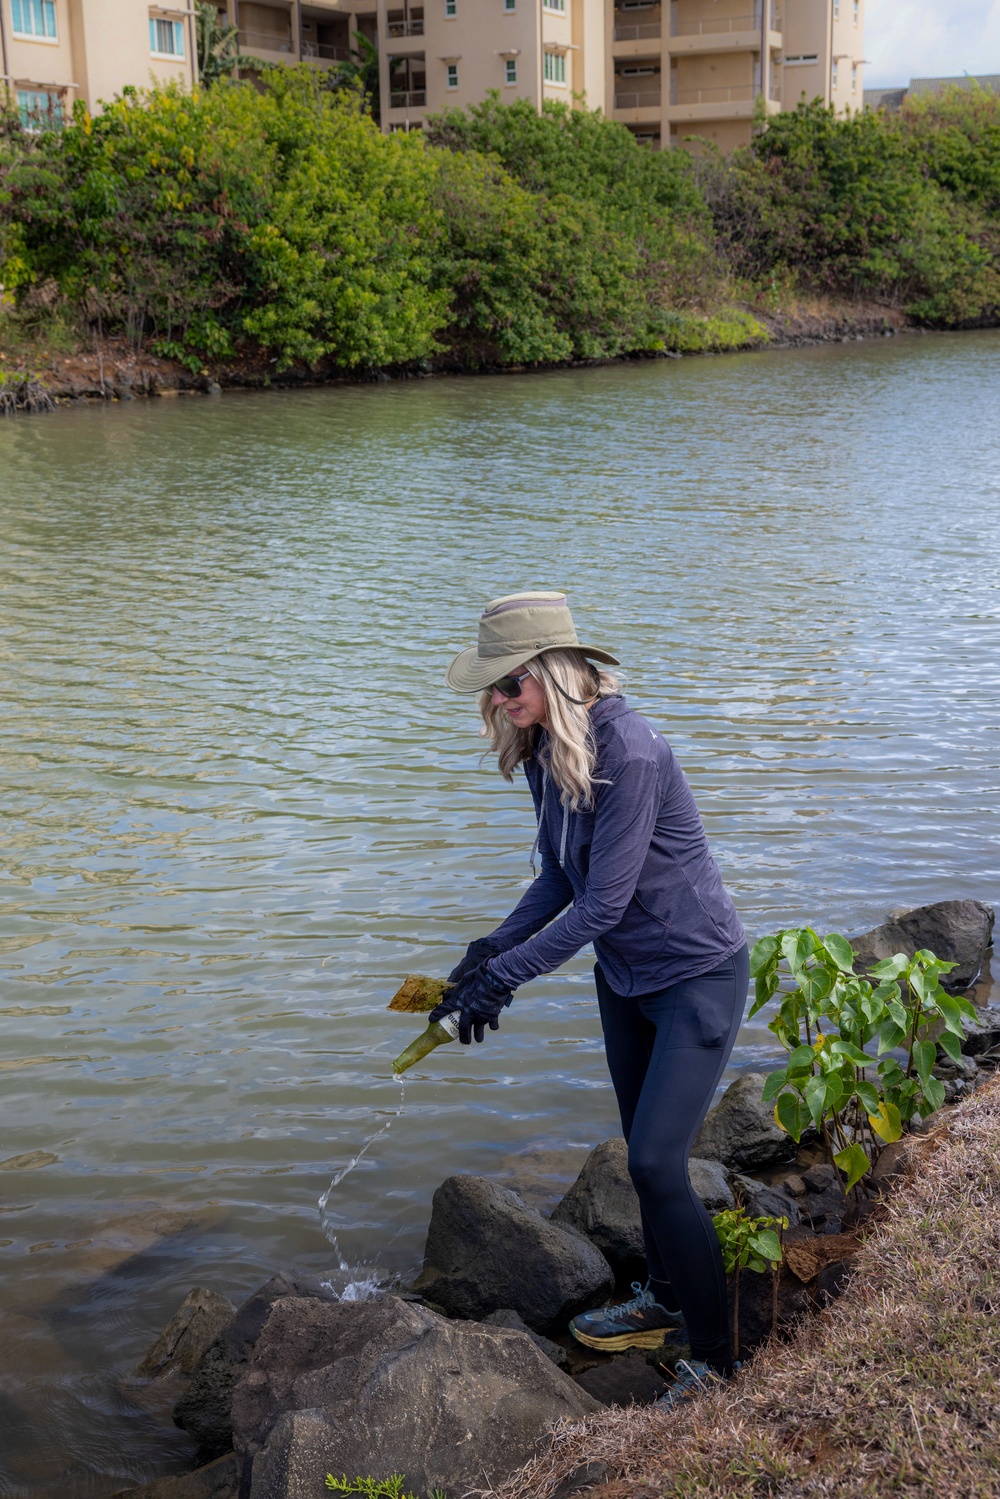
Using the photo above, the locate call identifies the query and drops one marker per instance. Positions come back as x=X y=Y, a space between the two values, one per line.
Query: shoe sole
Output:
x=655 y=1338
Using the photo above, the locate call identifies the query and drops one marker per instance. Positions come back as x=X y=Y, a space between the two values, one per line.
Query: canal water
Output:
x=239 y=804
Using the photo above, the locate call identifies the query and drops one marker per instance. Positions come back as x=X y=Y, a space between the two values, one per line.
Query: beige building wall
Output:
x=99 y=47
x=822 y=53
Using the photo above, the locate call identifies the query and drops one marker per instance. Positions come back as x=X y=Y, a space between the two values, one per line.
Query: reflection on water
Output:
x=239 y=803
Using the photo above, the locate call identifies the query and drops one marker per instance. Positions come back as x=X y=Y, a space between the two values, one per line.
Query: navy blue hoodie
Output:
x=635 y=871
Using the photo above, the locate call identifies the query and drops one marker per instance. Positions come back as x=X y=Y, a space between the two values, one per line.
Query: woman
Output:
x=622 y=846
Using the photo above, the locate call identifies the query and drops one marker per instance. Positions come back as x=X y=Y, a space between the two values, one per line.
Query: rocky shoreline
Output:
x=114 y=372
x=456 y=1381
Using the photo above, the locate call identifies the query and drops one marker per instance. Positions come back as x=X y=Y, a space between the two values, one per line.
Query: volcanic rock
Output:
x=958 y=930
x=741 y=1131
x=204 y=1410
x=487 y=1249
x=383 y=1387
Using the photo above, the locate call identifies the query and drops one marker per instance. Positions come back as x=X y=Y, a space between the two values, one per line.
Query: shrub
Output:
x=532 y=279
x=851 y=205
x=826 y=1018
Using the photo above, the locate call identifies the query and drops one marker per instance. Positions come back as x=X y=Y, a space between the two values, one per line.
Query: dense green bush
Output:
x=275 y=219
x=283 y=215
x=895 y=207
x=533 y=278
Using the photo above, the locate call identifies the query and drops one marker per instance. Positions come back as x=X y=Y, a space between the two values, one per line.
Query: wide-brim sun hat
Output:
x=511 y=631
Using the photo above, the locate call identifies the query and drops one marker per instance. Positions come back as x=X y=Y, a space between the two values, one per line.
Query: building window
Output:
x=836 y=10
x=39 y=110
x=854 y=76
x=555 y=67
x=510 y=70
x=510 y=4
x=833 y=73
x=35 y=18
x=453 y=75
x=166 y=38
x=857 y=8
x=451 y=7
x=554 y=5
x=805 y=58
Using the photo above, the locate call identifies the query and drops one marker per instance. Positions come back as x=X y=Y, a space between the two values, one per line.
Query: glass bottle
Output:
x=436 y=1034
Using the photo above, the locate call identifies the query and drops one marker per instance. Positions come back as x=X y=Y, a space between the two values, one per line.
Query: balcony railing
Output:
x=741 y=93
x=266 y=40
x=648 y=98
x=405 y=28
x=723 y=25
x=326 y=49
x=414 y=98
x=639 y=32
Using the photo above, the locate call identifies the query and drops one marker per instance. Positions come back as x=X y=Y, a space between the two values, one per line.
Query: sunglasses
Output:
x=509 y=686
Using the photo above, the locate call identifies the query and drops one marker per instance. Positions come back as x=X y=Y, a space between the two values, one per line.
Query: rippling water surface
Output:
x=239 y=804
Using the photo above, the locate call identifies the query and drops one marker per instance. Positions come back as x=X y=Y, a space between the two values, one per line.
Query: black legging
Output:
x=666 y=1052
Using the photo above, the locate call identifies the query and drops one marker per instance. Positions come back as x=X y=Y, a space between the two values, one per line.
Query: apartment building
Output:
x=667 y=69
x=698 y=67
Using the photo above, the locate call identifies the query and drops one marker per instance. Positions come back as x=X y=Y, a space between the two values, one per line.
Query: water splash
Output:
x=339 y=1176
x=362 y=1288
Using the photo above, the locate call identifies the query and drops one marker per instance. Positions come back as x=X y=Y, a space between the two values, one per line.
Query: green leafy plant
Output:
x=376 y=1488
x=749 y=1244
x=828 y=1015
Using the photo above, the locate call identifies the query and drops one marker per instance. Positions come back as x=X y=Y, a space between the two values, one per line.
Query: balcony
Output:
x=638 y=31
x=414 y=98
x=647 y=98
x=266 y=41
x=326 y=51
x=723 y=25
x=723 y=33
x=736 y=93
x=726 y=102
x=396 y=29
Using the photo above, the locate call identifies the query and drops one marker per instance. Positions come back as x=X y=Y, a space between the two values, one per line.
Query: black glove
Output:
x=479 y=997
x=477 y=952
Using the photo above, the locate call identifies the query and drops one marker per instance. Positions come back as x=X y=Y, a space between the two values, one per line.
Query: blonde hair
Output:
x=571 y=752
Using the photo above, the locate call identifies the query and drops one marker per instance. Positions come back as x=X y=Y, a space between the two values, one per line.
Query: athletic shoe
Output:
x=639 y=1323
x=692 y=1377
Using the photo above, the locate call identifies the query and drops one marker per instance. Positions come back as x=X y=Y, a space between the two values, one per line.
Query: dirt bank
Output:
x=113 y=371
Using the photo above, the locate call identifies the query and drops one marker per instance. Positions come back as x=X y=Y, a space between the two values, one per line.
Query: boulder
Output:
x=983 y=1033
x=218 y=1480
x=487 y=1250
x=709 y=1182
x=959 y=930
x=761 y=1201
x=507 y=1317
x=740 y=1131
x=204 y=1410
x=383 y=1387
x=602 y=1205
x=202 y=1317
x=628 y=1379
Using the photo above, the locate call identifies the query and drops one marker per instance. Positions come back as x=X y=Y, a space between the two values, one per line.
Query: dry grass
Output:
x=895 y=1390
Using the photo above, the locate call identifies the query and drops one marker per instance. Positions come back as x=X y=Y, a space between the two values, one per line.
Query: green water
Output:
x=239 y=803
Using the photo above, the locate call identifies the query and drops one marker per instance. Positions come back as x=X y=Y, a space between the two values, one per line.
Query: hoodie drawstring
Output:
x=538 y=831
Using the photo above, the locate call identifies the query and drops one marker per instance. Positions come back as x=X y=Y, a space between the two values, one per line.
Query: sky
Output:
x=907 y=39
